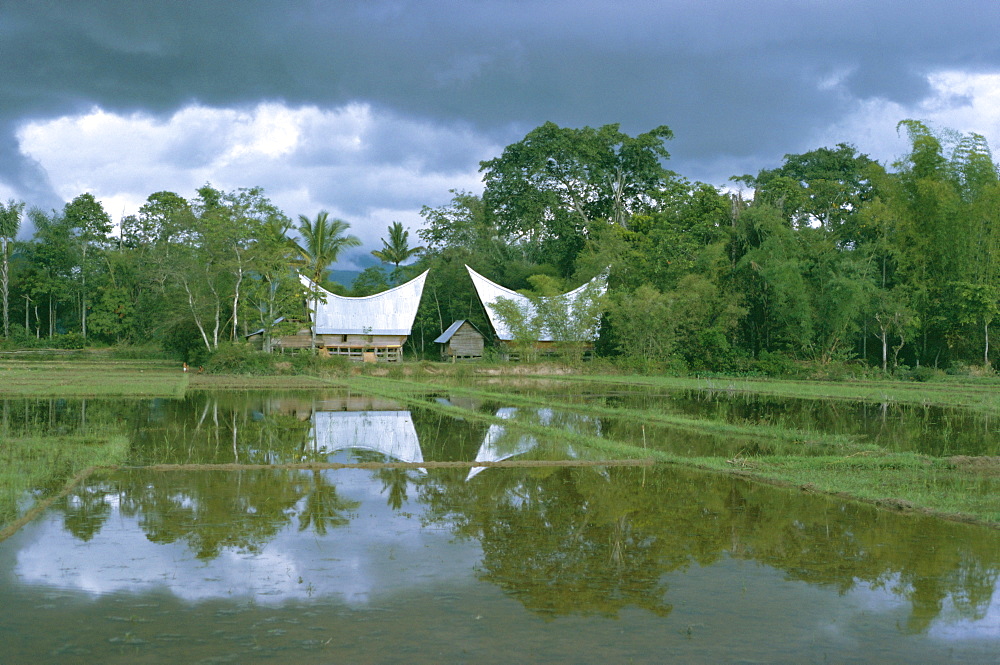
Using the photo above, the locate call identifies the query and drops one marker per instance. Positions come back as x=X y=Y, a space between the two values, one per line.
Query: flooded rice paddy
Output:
x=927 y=429
x=435 y=562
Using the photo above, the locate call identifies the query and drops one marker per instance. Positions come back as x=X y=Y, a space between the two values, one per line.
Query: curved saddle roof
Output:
x=388 y=313
x=489 y=292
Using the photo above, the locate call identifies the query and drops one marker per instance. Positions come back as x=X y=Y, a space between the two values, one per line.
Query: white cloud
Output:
x=962 y=101
x=366 y=166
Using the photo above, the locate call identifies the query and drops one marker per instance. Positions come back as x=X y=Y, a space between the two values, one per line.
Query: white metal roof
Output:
x=388 y=432
x=490 y=291
x=388 y=313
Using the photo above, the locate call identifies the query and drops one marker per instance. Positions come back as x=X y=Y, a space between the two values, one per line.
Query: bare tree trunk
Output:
x=218 y=317
x=884 y=337
x=312 y=328
x=83 y=295
x=194 y=315
x=3 y=288
x=896 y=350
x=236 y=293
x=986 y=350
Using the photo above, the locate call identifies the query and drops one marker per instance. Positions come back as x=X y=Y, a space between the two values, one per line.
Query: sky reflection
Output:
x=380 y=551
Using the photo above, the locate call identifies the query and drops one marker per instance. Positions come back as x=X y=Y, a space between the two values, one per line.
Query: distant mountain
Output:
x=352 y=257
x=344 y=277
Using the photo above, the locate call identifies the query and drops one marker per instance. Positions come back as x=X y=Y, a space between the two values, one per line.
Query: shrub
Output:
x=775 y=364
x=923 y=373
x=68 y=341
x=239 y=358
x=305 y=362
x=19 y=338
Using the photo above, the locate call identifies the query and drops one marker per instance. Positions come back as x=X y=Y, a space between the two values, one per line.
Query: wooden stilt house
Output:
x=579 y=332
x=370 y=328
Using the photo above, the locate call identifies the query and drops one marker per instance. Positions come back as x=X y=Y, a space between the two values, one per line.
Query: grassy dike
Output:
x=977 y=394
x=80 y=376
x=84 y=377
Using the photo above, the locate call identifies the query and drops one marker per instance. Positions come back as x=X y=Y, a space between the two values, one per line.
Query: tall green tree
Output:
x=323 y=239
x=52 y=256
x=545 y=189
x=274 y=292
x=822 y=187
x=396 y=249
x=217 y=252
x=942 y=236
x=10 y=222
x=90 y=225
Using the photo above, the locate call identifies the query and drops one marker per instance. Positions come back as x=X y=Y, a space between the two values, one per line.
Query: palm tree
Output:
x=397 y=249
x=10 y=221
x=322 y=241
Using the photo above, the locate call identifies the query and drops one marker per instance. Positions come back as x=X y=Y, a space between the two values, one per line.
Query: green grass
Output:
x=245 y=382
x=653 y=417
x=903 y=481
x=977 y=394
x=71 y=377
x=40 y=466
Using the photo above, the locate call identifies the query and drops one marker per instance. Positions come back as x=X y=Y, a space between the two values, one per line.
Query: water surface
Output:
x=465 y=564
x=546 y=564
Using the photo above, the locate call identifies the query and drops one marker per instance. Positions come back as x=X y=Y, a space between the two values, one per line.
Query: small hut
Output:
x=461 y=341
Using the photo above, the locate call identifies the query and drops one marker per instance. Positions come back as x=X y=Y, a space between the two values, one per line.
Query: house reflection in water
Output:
x=390 y=433
x=498 y=445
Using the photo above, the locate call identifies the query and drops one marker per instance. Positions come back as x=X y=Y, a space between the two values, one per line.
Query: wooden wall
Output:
x=465 y=343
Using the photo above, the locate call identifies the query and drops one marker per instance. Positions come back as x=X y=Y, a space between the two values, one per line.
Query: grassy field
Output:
x=34 y=469
x=83 y=377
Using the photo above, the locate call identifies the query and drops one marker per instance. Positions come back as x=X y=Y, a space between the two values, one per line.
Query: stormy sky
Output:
x=371 y=109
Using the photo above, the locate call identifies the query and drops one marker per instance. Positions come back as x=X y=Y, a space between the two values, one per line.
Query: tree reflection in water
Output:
x=590 y=540
x=562 y=540
x=324 y=508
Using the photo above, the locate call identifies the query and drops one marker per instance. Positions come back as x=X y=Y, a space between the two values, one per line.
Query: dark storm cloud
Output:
x=730 y=78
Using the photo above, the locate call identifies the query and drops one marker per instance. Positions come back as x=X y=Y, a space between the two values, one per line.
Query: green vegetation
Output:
x=771 y=450
x=955 y=487
x=980 y=394
x=83 y=377
x=836 y=263
x=38 y=467
x=837 y=270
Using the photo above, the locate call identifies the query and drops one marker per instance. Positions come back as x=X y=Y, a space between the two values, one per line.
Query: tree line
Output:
x=834 y=257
